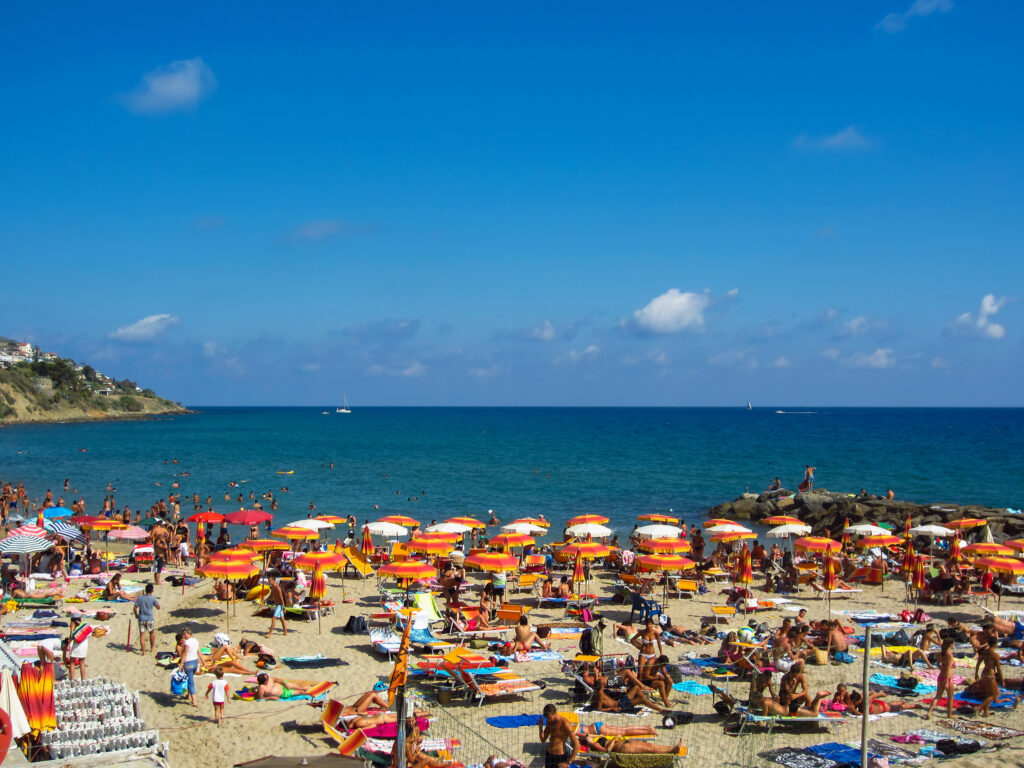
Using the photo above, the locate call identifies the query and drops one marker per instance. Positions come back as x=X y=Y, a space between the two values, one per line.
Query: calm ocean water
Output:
x=438 y=462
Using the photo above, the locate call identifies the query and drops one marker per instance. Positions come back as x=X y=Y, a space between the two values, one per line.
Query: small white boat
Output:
x=749 y=406
x=344 y=408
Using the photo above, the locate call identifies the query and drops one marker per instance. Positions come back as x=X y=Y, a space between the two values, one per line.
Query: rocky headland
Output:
x=827 y=512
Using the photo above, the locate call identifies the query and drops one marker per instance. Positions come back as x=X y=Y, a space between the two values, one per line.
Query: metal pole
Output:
x=400 y=736
x=866 y=700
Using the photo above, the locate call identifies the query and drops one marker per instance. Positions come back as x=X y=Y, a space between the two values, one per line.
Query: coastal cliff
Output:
x=61 y=391
x=827 y=512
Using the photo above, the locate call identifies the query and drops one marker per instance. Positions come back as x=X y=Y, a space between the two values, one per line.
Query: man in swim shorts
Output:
x=557 y=733
x=273 y=688
x=277 y=602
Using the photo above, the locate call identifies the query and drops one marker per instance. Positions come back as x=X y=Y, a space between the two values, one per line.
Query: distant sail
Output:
x=749 y=406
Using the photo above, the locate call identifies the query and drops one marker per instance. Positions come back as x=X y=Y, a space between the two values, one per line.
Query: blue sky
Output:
x=569 y=204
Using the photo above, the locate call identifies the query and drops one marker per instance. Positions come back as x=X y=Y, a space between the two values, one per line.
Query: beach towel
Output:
x=799 y=758
x=978 y=728
x=313 y=660
x=692 y=687
x=890 y=681
x=512 y=721
x=390 y=730
x=533 y=656
x=833 y=750
x=1006 y=701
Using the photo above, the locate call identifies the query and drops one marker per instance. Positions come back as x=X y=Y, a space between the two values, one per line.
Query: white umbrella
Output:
x=313 y=525
x=528 y=528
x=24 y=545
x=731 y=528
x=589 y=529
x=449 y=528
x=867 y=529
x=932 y=530
x=390 y=530
x=11 y=704
x=658 y=531
x=790 y=529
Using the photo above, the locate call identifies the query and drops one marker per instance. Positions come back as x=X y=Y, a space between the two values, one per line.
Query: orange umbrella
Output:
x=828 y=580
x=512 y=540
x=746 y=569
x=332 y=519
x=533 y=521
x=234 y=568
x=909 y=558
x=818 y=544
x=718 y=521
x=906 y=527
x=205 y=517
x=402 y=520
x=846 y=533
x=367 y=545
x=1015 y=543
x=263 y=545
x=578 y=572
x=318 y=587
x=1000 y=565
x=295 y=533
x=248 y=557
x=588 y=550
x=665 y=562
x=472 y=522
x=493 y=561
x=328 y=561
x=232 y=551
x=967 y=522
x=102 y=524
x=867 y=542
x=451 y=538
x=918 y=581
x=429 y=546
x=655 y=518
x=669 y=546
x=581 y=519
x=408 y=569
x=987 y=548
x=730 y=536
x=782 y=520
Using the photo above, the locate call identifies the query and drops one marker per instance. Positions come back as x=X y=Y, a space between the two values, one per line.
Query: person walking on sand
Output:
x=75 y=651
x=945 y=682
x=219 y=688
x=277 y=604
x=143 y=611
x=188 y=652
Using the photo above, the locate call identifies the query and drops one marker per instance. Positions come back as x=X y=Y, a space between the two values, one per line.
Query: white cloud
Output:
x=181 y=85
x=847 y=139
x=830 y=354
x=733 y=293
x=654 y=357
x=544 y=332
x=979 y=322
x=212 y=349
x=879 y=359
x=317 y=230
x=940 y=363
x=897 y=22
x=779 y=362
x=673 y=311
x=146 y=329
x=485 y=373
x=856 y=326
x=415 y=369
x=573 y=356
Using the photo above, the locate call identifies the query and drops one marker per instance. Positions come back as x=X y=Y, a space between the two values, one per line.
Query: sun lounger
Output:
x=771 y=721
x=820 y=591
x=384 y=640
x=508 y=684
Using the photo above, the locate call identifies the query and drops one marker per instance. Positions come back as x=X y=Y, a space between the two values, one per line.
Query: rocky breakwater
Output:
x=827 y=512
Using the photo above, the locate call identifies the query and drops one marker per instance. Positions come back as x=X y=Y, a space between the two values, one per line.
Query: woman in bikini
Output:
x=113 y=590
x=877 y=706
x=905 y=659
x=604 y=729
x=944 y=683
x=648 y=643
x=656 y=677
x=606 y=744
x=633 y=698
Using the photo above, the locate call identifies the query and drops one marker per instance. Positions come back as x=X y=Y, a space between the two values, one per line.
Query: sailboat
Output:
x=749 y=406
x=344 y=408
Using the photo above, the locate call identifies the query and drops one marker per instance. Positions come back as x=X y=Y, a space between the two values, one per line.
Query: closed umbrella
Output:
x=659 y=518
x=579 y=574
x=11 y=704
x=906 y=527
x=918 y=582
x=828 y=581
x=846 y=532
x=909 y=558
x=955 y=550
x=366 y=546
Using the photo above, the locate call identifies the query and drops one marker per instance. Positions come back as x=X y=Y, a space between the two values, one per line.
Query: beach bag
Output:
x=908 y=681
x=355 y=624
x=899 y=638
x=478 y=643
x=265 y=661
x=587 y=642
x=586 y=615
x=845 y=657
x=820 y=657
x=81 y=634
x=179 y=680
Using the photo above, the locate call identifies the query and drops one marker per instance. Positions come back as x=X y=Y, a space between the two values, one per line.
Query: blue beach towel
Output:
x=890 y=681
x=692 y=687
x=833 y=750
x=512 y=721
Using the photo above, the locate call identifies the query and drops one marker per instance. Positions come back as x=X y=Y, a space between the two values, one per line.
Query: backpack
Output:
x=355 y=624
x=586 y=615
x=587 y=642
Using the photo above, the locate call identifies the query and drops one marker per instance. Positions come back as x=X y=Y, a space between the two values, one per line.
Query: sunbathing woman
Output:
x=633 y=698
x=605 y=744
x=878 y=706
x=793 y=708
x=905 y=659
x=364 y=703
x=604 y=729
x=361 y=720
x=415 y=757
x=113 y=590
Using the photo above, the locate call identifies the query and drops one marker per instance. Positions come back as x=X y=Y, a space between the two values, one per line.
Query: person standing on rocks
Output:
x=809 y=476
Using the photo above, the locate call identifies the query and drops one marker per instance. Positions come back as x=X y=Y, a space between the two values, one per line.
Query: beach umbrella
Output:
x=239 y=551
x=906 y=527
x=589 y=549
x=932 y=530
x=388 y=530
x=965 y=523
x=745 y=573
x=718 y=521
x=984 y=548
x=318 y=562
x=527 y=528
x=131 y=533
x=24 y=545
x=470 y=522
x=730 y=537
x=429 y=546
x=578 y=571
x=408 y=571
x=293 y=533
x=366 y=546
x=457 y=528
x=532 y=521
x=664 y=563
x=263 y=545
x=65 y=531
x=11 y=704
x=818 y=544
x=886 y=540
x=403 y=520
x=909 y=558
x=580 y=530
x=664 y=546
x=493 y=561
x=1015 y=543
x=659 y=518
x=846 y=532
x=229 y=570
x=449 y=538
x=82 y=519
x=582 y=519
x=727 y=528
x=782 y=520
x=51 y=512
x=507 y=540
x=102 y=524
x=248 y=517
x=205 y=517
x=956 y=550
x=786 y=530
x=918 y=581
x=29 y=529
x=828 y=581
x=1007 y=565
x=657 y=531
x=332 y=519
x=866 y=529
x=311 y=523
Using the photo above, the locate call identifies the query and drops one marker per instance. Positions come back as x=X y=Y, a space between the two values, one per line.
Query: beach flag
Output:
x=399 y=673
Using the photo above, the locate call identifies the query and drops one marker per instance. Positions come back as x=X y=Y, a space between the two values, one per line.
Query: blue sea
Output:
x=433 y=463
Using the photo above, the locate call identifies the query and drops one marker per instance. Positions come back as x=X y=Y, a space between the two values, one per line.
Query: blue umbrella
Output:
x=57 y=512
x=65 y=531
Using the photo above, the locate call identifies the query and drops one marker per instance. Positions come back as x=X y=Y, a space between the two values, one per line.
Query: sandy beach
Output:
x=255 y=729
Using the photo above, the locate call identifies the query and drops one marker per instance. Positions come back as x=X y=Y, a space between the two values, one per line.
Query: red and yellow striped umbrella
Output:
x=909 y=558
x=965 y=523
x=1015 y=543
x=232 y=551
x=205 y=517
x=326 y=561
x=987 y=548
x=588 y=550
x=906 y=527
x=429 y=546
x=1000 y=565
x=665 y=562
x=263 y=545
x=409 y=570
x=846 y=533
x=581 y=519
x=828 y=579
x=248 y=557
x=367 y=543
x=730 y=536
x=100 y=524
x=669 y=546
x=402 y=520
x=451 y=538
x=493 y=561
x=956 y=549
x=782 y=520
x=511 y=540
x=294 y=532
x=318 y=585
x=818 y=544
x=578 y=571
x=332 y=519
x=658 y=518
x=745 y=574
x=718 y=521
x=867 y=542
x=532 y=521
x=35 y=690
x=471 y=522
x=918 y=582
x=229 y=569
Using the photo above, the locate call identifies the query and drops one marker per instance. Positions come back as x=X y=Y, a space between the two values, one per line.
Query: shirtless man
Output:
x=793 y=686
x=835 y=641
x=605 y=744
x=945 y=681
x=525 y=637
x=276 y=599
x=555 y=733
x=273 y=688
x=1014 y=630
x=656 y=676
